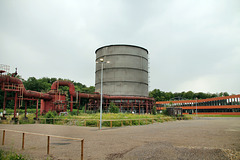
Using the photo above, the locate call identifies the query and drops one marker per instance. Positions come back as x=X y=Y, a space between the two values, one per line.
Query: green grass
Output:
x=20 y=111
x=9 y=155
x=118 y=119
x=84 y=119
x=114 y=116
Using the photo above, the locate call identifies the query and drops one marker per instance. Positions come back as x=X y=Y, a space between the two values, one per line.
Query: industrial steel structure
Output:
x=228 y=105
x=127 y=72
x=125 y=78
x=54 y=100
x=124 y=83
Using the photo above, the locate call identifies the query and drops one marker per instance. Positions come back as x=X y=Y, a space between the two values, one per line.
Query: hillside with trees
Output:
x=159 y=95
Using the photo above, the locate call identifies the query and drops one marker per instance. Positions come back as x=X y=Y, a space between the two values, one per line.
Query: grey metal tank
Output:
x=127 y=72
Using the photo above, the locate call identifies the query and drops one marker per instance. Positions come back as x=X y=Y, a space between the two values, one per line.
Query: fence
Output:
x=48 y=139
x=108 y=123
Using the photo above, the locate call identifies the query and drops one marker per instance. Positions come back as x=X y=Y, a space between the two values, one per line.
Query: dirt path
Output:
x=205 y=138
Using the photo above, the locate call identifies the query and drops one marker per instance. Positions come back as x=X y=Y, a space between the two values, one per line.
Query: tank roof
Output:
x=121 y=45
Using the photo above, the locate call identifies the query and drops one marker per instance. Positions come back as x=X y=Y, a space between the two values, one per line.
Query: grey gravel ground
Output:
x=204 y=138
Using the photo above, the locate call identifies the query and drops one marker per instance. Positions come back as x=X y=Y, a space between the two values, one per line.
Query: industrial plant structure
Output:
x=125 y=83
x=126 y=74
x=125 y=78
x=122 y=71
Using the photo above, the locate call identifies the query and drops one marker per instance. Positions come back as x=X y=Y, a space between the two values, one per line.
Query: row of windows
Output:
x=211 y=110
x=199 y=104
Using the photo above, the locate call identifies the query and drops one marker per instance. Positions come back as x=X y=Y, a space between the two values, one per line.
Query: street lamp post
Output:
x=101 y=93
x=101 y=98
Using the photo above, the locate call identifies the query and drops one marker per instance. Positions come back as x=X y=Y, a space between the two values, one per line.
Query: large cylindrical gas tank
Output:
x=127 y=72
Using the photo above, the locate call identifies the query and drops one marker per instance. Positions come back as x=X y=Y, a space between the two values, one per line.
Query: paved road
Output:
x=205 y=138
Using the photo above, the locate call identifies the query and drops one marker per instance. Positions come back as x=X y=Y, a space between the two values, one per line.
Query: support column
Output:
x=42 y=107
x=147 y=107
x=4 y=104
x=132 y=107
x=71 y=104
x=36 y=118
x=121 y=106
x=78 y=106
x=139 y=107
x=25 y=109
x=15 y=105
x=107 y=104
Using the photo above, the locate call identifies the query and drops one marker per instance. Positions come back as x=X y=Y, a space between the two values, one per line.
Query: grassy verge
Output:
x=20 y=111
x=84 y=119
x=109 y=119
x=9 y=155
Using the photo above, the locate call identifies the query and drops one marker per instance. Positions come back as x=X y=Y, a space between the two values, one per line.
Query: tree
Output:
x=223 y=94
x=154 y=110
x=188 y=95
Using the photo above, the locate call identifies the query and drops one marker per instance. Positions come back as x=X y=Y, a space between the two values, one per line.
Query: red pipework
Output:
x=127 y=97
x=26 y=93
x=56 y=84
x=73 y=93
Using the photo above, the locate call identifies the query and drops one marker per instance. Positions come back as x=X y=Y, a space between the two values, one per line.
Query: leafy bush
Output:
x=106 y=123
x=74 y=112
x=126 y=123
x=154 y=110
x=164 y=112
x=91 y=123
x=135 y=122
x=113 y=108
x=116 y=124
x=50 y=115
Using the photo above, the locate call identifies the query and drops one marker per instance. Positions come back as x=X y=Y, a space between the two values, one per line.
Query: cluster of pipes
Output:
x=54 y=100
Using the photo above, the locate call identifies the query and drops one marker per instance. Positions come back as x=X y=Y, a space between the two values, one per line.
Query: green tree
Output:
x=188 y=95
x=154 y=110
x=223 y=94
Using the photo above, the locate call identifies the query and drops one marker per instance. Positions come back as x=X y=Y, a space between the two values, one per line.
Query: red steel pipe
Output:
x=26 y=93
x=92 y=96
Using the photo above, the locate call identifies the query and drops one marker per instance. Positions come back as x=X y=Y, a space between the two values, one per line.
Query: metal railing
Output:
x=48 y=139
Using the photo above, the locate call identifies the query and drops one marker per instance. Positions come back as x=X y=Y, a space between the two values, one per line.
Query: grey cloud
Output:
x=193 y=45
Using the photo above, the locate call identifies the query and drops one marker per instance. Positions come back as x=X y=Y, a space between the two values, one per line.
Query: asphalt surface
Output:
x=204 y=138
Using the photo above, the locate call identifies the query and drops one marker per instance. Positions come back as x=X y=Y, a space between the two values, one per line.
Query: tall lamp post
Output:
x=101 y=99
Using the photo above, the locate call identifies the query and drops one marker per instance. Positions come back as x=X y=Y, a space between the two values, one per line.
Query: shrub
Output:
x=113 y=108
x=106 y=123
x=91 y=123
x=164 y=112
x=74 y=112
x=50 y=115
x=116 y=123
x=154 y=110
x=10 y=156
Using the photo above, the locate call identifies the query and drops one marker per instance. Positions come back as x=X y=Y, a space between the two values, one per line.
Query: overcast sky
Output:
x=193 y=44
